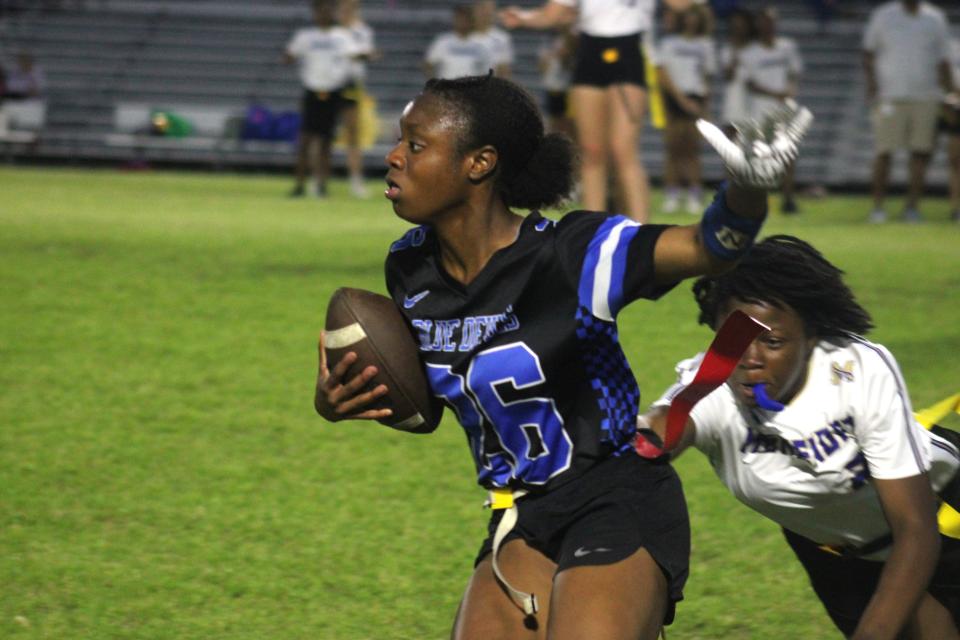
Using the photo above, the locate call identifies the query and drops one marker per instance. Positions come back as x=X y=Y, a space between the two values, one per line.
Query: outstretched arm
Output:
x=548 y=16
x=656 y=420
x=756 y=162
x=910 y=507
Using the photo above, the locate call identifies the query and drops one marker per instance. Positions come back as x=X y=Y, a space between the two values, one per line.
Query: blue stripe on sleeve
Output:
x=604 y=267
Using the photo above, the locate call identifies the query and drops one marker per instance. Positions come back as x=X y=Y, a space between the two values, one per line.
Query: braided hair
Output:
x=535 y=170
x=784 y=271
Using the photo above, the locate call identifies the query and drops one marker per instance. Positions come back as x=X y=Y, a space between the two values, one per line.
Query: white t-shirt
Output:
x=691 y=62
x=363 y=46
x=772 y=68
x=453 y=56
x=611 y=18
x=500 y=44
x=907 y=49
x=808 y=467
x=325 y=57
x=734 y=90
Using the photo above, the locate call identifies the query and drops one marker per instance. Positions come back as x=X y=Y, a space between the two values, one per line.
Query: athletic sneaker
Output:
x=358 y=189
x=955 y=216
x=671 y=204
x=877 y=216
x=297 y=192
x=912 y=216
x=693 y=205
x=789 y=205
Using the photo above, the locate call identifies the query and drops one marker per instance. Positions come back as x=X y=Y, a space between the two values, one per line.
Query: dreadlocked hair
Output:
x=784 y=271
x=535 y=170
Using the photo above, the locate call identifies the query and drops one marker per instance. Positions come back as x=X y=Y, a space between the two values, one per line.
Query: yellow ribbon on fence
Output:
x=948 y=517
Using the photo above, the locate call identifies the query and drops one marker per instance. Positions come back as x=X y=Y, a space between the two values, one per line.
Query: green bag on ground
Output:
x=169 y=124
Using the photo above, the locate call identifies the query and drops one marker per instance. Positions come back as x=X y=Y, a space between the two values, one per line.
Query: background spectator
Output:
x=609 y=93
x=364 y=51
x=324 y=53
x=950 y=123
x=906 y=62
x=771 y=71
x=25 y=80
x=494 y=38
x=740 y=34
x=556 y=66
x=686 y=64
x=457 y=53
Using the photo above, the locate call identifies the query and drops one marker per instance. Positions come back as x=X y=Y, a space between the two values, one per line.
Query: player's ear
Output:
x=482 y=163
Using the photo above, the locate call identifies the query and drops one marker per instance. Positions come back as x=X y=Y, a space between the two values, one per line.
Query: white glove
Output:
x=763 y=151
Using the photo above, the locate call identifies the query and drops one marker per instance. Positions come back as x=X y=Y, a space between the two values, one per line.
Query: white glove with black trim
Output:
x=762 y=151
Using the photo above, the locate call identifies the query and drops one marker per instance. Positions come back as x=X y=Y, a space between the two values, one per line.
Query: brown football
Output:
x=371 y=326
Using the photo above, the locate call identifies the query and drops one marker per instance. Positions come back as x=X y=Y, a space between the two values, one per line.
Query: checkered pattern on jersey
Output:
x=618 y=395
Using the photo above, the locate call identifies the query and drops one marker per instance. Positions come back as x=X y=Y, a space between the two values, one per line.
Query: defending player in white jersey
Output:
x=814 y=430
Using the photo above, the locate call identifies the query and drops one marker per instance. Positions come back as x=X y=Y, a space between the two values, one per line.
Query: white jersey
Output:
x=363 y=45
x=772 y=68
x=735 y=89
x=691 y=63
x=907 y=49
x=808 y=467
x=454 y=56
x=324 y=55
x=499 y=43
x=612 y=18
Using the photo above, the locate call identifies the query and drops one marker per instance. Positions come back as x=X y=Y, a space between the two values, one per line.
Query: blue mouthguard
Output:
x=763 y=400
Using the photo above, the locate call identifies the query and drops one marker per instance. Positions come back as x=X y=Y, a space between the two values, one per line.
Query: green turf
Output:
x=163 y=475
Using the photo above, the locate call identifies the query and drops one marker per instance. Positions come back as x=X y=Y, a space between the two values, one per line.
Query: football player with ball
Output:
x=514 y=317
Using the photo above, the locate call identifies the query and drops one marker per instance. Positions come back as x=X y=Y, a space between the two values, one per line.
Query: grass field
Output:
x=163 y=474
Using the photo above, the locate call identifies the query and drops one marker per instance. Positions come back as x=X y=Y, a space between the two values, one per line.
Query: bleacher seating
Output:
x=113 y=61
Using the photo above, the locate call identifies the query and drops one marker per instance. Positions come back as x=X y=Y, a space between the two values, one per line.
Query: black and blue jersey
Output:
x=527 y=354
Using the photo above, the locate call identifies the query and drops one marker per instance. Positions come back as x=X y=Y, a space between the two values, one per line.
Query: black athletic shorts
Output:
x=604 y=516
x=602 y=62
x=845 y=584
x=319 y=111
x=556 y=104
x=675 y=112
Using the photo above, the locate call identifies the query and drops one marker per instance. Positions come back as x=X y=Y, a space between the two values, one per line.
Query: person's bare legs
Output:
x=953 y=155
x=351 y=123
x=627 y=108
x=673 y=165
x=590 y=116
x=324 y=146
x=918 y=174
x=691 y=168
x=302 y=165
x=626 y=600
x=881 y=174
x=487 y=611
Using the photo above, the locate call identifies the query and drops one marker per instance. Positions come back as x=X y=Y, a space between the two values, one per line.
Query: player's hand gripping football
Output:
x=336 y=399
x=762 y=151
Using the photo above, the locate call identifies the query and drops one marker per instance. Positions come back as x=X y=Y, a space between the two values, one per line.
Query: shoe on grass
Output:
x=912 y=216
x=877 y=216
